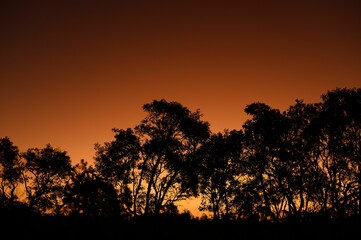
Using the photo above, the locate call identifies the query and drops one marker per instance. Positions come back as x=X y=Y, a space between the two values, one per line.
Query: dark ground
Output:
x=33 y=227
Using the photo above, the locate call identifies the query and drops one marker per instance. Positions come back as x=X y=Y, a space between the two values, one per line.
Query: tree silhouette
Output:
x=339 y=143
x=118 y=162
x=302 y=178
x=46 y=174
x=285 y=174
x=220 y=173
x=11 y=169
x=157 y=157
x=87 y=195
x=264 y=135
x=172 y=136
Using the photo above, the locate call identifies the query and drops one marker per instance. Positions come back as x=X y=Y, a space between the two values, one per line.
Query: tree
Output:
x=11 y=169
x=88 y=195
x=155 y=162
x=220 y=176
x=339 y=131
x=303 y=178
x=264 y=138
x=284 y=174
x=118 y=162
x=47 y=172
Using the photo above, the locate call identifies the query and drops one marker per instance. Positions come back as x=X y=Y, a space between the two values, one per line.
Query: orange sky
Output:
x=72 y=70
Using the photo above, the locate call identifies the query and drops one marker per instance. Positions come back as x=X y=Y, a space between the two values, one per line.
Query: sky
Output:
x=70 y=71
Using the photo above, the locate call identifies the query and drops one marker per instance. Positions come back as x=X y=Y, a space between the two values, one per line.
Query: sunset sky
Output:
x=70 y=71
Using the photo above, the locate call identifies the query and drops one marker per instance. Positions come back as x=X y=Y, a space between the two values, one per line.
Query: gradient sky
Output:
x=70 y=71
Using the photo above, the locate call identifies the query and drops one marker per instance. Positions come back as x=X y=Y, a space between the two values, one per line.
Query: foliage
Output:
x=296 y=165
x=155 y=162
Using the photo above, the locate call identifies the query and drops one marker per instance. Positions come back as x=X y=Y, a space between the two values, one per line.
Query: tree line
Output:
x=300 y=163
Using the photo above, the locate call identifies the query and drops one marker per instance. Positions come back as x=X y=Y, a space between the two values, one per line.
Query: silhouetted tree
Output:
x=220 y=176
x=11 y=168
x=300 y=162
x=118 y=162
x=302 y=179
x=154 y=164
x=171 y=136
x=47 y=172
x=89 y=196
x=339 y=145
x=264 y=138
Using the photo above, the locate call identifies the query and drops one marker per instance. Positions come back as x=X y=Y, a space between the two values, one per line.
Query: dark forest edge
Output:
x=296 y=166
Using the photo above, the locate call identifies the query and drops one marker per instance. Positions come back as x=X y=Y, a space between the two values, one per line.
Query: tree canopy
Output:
x=295 y=164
